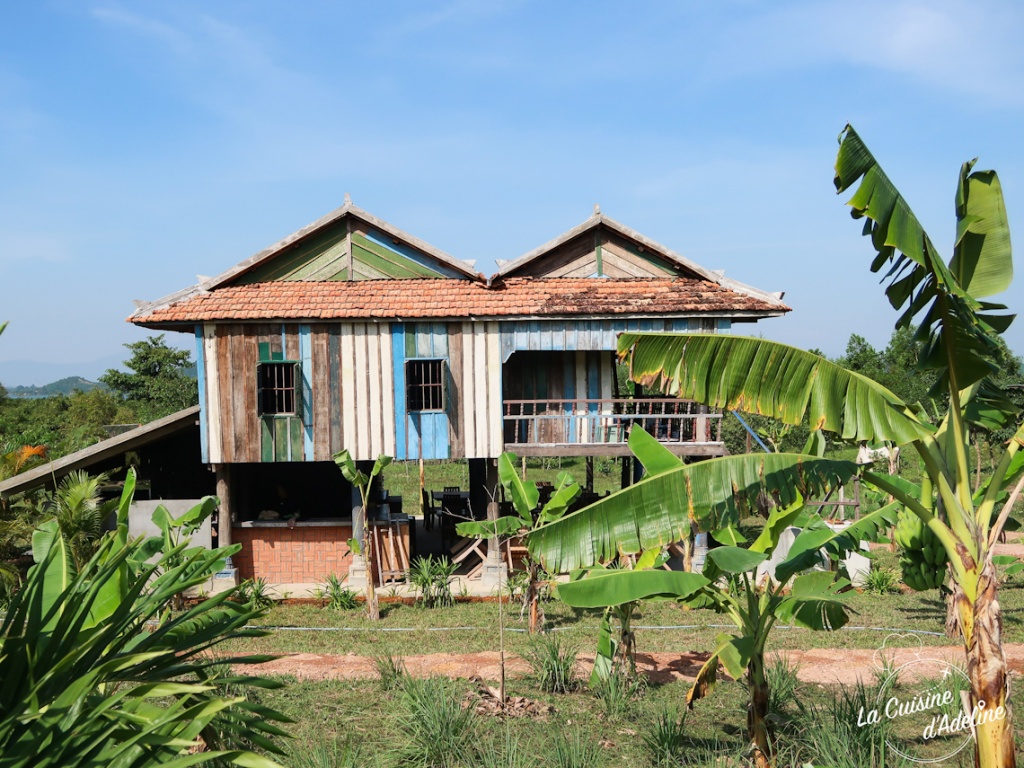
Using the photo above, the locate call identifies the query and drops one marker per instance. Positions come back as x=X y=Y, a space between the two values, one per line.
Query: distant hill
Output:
x=63 y=387
x=29 y=373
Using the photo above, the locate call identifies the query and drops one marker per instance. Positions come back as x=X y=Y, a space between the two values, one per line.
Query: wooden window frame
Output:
x=426 y=388
x=281 y=396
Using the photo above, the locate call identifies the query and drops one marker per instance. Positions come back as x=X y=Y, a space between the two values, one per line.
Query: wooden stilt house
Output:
x=351 y=333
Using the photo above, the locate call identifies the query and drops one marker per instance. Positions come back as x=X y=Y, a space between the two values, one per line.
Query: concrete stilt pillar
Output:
x=357 y=570
x=228 y=577
x=495 y=572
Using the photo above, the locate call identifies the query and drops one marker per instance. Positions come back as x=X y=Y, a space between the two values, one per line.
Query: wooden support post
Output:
x=590 y=474
x=224 y=510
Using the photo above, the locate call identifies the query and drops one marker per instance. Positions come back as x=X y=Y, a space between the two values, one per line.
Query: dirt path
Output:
x=821 y=665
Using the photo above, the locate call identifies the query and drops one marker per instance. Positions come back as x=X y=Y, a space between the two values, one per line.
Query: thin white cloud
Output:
x=169 y=36
x=968 y=47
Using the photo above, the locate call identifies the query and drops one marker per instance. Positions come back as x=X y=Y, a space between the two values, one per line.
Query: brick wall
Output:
x=299 y=555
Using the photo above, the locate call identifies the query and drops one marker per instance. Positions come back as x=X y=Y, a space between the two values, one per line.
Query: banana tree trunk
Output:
x=982 y=625
x=372 y=606
x=533 y=598
x=758 y=731
x=627 y=638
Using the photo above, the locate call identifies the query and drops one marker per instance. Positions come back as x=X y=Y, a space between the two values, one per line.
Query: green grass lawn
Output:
x=403 y=477
x=584 y=730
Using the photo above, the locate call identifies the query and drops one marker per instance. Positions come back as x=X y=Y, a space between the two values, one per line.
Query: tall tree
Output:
x=160 y=382
x=959 y=334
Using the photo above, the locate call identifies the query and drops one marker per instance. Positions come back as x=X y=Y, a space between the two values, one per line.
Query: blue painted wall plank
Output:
x=306 y=358
x=204 y=443
x=398 y=361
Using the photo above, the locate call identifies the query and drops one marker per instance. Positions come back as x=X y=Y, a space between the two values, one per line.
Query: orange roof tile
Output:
x=448 y=298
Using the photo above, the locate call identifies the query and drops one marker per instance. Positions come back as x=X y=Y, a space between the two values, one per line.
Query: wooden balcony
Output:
x=601 y=427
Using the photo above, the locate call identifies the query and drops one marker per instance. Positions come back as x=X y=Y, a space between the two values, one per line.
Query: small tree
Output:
x=161 y=381
x=361 y=545
x=728 y=583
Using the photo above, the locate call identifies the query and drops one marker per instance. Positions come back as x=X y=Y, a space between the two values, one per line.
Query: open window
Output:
x=276 y=384
x=424 y=385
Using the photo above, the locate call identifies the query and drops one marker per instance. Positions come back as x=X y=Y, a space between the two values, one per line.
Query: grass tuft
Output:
x=391 y=671
x=553 y=662
x=439 y=730
x=665 y=739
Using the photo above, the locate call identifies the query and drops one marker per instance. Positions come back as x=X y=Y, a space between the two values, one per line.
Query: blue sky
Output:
x=143 y=143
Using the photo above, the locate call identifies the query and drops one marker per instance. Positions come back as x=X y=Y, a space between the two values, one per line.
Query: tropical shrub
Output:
x=97 y=671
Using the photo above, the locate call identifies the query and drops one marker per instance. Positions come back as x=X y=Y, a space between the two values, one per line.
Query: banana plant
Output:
x=619 y=591
x=959 y=328
x=95 y=672
x=525 y=499
x=728 y=583
x=359 y=546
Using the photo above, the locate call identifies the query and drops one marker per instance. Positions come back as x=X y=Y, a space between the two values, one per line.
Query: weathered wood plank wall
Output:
x=345 y=390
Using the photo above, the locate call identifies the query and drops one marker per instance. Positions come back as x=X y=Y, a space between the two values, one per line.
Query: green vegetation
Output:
x=959 y=334
x=98 y=672
x=161 y=380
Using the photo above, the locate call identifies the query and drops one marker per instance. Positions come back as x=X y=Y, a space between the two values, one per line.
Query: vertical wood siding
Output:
x=347 y=392
x=582 y=335
x=215 y=410
x=365 y=390
x=353 y=389
x=481 y=392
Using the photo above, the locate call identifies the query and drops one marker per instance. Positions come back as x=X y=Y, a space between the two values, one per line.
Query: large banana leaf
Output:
x=770 y=379
x=616 y=587
x=658 y=510
x=524 y=495
x=957 y=327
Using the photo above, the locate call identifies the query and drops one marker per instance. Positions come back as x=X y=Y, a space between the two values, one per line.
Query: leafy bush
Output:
x=431 y=577
x=882 y=581
x=338 y=596
x=98 y=671
x=255 y=593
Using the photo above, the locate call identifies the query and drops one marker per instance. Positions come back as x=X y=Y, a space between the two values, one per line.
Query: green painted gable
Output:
x=347 y=250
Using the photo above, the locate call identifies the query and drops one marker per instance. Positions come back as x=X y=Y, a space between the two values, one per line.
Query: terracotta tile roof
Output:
x=448 y=298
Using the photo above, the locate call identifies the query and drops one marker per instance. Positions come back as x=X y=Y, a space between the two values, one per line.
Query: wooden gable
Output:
x=602 y=247
x=602 y=252
x=347 y=244
x=350 y=249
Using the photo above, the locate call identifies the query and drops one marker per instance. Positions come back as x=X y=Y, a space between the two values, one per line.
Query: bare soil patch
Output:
x=824 y=666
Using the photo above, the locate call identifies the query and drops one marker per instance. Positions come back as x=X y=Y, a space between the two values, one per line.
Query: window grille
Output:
x=276 y=386
x=424 y=385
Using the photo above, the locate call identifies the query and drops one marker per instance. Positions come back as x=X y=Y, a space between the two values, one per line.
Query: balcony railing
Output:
x=606 y=422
